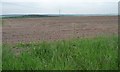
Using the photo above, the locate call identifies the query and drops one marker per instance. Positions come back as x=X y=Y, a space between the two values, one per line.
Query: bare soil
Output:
x=57 y=28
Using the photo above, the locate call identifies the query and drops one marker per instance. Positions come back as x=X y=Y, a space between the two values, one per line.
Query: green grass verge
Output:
x=0 y=57
x=100 y=53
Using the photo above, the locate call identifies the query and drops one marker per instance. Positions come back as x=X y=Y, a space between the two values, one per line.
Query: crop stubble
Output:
x=57 y=28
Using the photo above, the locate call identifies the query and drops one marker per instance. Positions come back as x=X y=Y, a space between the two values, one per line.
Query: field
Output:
x=60 y=43
x=56 y=28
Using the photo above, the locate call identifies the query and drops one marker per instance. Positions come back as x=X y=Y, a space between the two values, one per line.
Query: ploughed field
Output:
x=15 y=30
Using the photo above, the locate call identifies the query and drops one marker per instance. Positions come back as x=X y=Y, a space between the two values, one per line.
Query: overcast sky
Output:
x=65 y=6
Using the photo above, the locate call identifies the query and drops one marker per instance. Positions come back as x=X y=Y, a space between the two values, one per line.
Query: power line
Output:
x=59 y=12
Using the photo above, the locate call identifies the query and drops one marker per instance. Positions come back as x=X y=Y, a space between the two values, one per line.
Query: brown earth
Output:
x=56 y=28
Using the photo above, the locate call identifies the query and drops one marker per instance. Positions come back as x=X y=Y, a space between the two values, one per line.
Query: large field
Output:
x=54 y=28
x=60 y=43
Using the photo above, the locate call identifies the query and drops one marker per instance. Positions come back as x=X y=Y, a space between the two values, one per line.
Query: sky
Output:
x=53 y=6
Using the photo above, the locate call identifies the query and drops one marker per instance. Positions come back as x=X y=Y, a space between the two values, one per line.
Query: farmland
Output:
x=60 y=43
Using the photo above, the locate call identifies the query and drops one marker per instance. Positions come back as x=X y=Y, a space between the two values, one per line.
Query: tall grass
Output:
x=0 y=57
x=98 y=53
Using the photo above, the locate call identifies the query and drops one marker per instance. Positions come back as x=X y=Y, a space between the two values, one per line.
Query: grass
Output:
x=100 y=53
x=0 y=57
